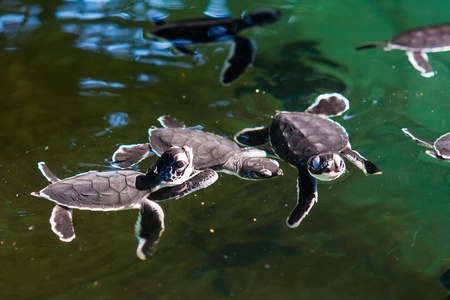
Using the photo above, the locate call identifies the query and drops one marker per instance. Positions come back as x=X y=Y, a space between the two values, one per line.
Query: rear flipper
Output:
x=149 y=228
x=200 y=180
x=129 y=155
x=330 y=105
x=242 y=55
x=47 y=173
x=419 y=60
x=358 y=160
x=61 y=223
x=253 y=136
x=307 y=196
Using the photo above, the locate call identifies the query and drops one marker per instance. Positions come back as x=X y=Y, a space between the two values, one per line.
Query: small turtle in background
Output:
x=211 y=152
x=417 y=43
x=171 y=176
x=216 y=30
x=312 y=143
x=441 y=146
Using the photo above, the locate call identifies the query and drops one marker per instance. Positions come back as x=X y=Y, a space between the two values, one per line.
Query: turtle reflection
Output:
x=292 y=74
x=182 y=34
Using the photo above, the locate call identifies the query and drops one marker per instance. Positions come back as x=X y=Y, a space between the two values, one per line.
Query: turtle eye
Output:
x=180 y=164
x=316 y=162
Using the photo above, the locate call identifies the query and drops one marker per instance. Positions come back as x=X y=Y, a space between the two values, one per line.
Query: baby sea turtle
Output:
x=122 y=189
x=417 y=43
x=215 y=30
x=441 y=146
x=211 y=152
x=312 y=143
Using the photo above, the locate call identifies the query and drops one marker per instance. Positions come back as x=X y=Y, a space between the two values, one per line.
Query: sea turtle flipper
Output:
x=200 y=180
x=419 y=60
x=61 y=223
x=307 y=196
x=417 y=139
x=330 y=105
x=242 y=55
x=361 y=162
x=47 y=173
x=253 y=136
x=149 y=228
x=170 y=122
x=129 y=155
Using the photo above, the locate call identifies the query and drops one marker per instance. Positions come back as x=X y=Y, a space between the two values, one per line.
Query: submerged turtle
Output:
x=417 y=43
x=170 y=176
x=205 y=31
x=441 y=146
x=312 y=143
x=211 y=152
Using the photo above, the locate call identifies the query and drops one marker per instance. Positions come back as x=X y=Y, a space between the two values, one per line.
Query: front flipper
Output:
x=200 y=180
x=61 y=223
x=417 y=139
x=242 y=55
x=129 y=155
x=149 y=228
x=253 y=136
x=307 y=196
x=419 y=60
x=358 y=160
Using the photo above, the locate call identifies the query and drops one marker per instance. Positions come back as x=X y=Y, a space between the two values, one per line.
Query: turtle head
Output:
x=262 y=17
x=173 y=168
x=259 y=168
x=326 y=166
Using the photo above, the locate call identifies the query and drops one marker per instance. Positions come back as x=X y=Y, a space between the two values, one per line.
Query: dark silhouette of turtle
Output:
x=216 y=30
x=312 y=143
x=170 y=176
x=441 y=146
x=417 y=43
x=211 y=152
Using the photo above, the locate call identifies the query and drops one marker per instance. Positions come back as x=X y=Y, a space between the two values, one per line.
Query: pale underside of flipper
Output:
x=307 y=196
x=361 y=162
x=129 y=155
x=419 y=60
x=149 y=228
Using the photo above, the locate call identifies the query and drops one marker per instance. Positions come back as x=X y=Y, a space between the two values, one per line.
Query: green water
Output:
x=73 y=87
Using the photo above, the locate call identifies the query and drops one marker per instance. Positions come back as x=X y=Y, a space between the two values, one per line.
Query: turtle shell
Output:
x=298 y=135
x=442 y=146
x=425 y=39
x=209 y=150
x=111 y=190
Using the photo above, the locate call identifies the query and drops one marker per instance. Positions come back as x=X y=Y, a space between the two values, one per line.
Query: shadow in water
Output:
x=293 y=75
